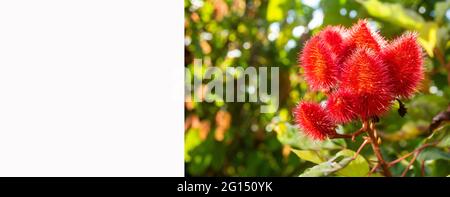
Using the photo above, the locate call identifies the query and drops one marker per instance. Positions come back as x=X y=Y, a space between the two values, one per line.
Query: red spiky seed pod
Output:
x=335 y=38
x=404 y=58
x=364 y=71
x=373 y=104
x=319 y=64
x=313 y=120
x=342 y=106
x=367 y=77
x=361 y=36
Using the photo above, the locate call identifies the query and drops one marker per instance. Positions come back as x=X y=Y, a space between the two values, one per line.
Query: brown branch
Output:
x=359 y=132
x=422 y=167
x=369 y=127
x=411 y=153
x=366 y=141
x=439 y=118
x=373 y=169
x=409 y=164
x=376 y=149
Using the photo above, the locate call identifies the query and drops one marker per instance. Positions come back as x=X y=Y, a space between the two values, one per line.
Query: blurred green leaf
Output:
x=394 y=13
x=440 y=8
x=445 y=141
x=428 y=36
x=439 y=167
x=443 y=37
x=425 y=106
x=290 y=135
x=433 y=154
x=310 y=155
x=192 y=140
x=409 y=130
x=376 y=175
x=207 y=11
x=332 y=12
x=275 y=10
x=327 y=168
x=356 y=168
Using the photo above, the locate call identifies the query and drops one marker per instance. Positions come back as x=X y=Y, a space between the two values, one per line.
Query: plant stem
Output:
x=422 y=167
x=376 y=149
x=366 y=141
x=373 y=169
x=410 y=164
x=418 y=150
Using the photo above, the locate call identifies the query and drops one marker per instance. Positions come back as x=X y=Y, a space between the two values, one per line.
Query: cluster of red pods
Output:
x=360 y=72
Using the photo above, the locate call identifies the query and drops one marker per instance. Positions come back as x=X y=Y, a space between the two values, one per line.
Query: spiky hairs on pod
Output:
x=404 y=58
x=313 y=120
x=335 y=38
x=319 y=64
x=367 y=77
x=360 y=36
x=342 y=106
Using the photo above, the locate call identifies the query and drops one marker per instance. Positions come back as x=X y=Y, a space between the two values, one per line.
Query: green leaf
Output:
x=292 y=136
x=433 y=154
x=356 y=168
x=441 y=135
x=327 y=168
x=192 y=140
x=342 y=164
x=445 y=141
x=207 y=11
x=310 y=155
x=331 y=10
x=439 y=9
x=394 y=13
x=275 y=10
x=425 y=106
x=442 y=37
x=409 y=130
x=376 y=175
x=428 y=36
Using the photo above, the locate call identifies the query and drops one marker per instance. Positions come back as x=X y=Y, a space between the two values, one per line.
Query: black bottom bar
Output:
x=227 y=185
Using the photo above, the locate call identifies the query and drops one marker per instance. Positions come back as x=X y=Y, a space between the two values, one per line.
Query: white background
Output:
x=91 y=88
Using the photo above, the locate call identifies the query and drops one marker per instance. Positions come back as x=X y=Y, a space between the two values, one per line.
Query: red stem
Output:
x=366 y=141
x=422 y=167
x=411 y=153
x=409 y=164
x=373 y=169
x=376 y=149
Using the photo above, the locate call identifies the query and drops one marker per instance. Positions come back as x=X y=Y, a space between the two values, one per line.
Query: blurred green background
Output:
x=235 y=139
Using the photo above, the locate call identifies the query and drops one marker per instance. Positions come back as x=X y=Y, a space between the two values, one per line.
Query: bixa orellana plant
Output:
x=361 y=75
